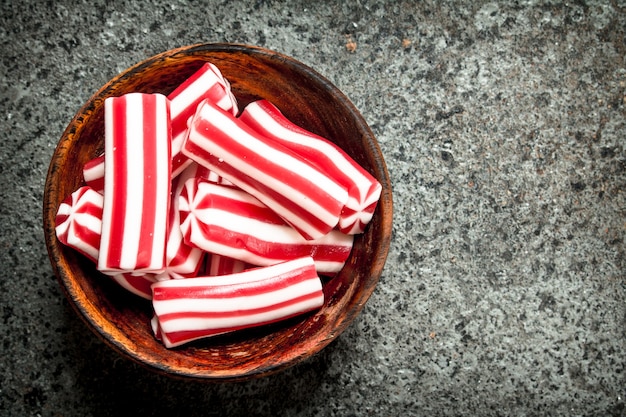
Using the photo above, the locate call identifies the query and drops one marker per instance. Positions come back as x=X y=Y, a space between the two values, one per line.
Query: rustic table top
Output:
x=503 y=130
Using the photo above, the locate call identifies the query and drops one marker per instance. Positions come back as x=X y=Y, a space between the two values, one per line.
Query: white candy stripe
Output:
x=108 y=188
x=164 y=181
x=133 y=170
x=224 y=103
x=94 y=168
x=231 y=97
x=93 y=173
x=179 y=160
x=182 y=99
x=156 y=329
x=222 y=265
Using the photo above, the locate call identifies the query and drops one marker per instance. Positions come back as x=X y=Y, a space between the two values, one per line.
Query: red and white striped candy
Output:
x=78 y=225
x=184 y=260
x=206 y=83
x=137 y=184
x=181 y=260
x=93 y=173
x=363 y=189
x=79 y=221
x=190 y=309
x=299 y=192
x=232 y=223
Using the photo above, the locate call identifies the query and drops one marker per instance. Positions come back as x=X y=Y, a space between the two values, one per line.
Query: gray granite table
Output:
x=503 y=125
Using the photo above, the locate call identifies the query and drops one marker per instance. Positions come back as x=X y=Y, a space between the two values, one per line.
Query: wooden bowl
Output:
x=122 y=319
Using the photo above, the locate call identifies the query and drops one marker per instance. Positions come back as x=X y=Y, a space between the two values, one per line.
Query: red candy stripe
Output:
x=217 y=265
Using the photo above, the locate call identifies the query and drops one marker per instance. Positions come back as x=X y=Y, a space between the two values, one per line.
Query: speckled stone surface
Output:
x=504 y=130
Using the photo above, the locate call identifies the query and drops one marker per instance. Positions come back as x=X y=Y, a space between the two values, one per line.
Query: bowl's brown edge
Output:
x=383 y=216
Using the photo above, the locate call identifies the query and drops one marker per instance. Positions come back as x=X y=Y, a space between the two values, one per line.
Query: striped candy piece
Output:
x=363 y=189
x=137 y=184
x=230 y=222
x=140 y=285
x=206 y=83
x=191 y=309
x=182 y=260
x=217 y=265
x=79 y=221
x=93 y=174
x=305 y=197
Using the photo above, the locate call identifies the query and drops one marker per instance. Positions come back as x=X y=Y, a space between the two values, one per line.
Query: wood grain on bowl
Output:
x=123 y=320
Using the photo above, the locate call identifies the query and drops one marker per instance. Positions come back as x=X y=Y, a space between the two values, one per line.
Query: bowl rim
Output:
x=109 y=334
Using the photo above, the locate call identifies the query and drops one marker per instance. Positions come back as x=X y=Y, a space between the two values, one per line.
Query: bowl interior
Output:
x=122 y=319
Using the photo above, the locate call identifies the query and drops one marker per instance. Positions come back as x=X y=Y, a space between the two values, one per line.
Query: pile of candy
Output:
x=223 y=219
